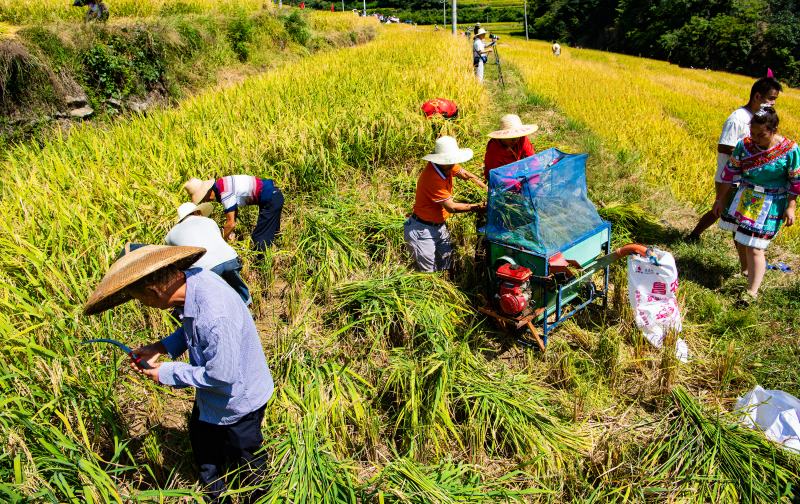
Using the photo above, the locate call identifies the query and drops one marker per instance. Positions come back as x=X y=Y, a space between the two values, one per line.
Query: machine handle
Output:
x=636 y=248
x=630 y=249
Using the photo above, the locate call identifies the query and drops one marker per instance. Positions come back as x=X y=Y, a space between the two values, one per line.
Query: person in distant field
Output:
x=226 y=365
x=476 y=28
x=436 y=27
x=767 y=166
x=333 y=9
x=97 y=10
x=302 y=5
x=440 y=107
x=195 y=229
x=479 y=53
x=556 y=49
x=764 y=91
x=236 y=191
x=425 y=231
x=508 y=144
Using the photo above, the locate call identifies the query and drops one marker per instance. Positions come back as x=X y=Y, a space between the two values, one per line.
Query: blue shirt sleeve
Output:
x=175 y=343
x=222 y=361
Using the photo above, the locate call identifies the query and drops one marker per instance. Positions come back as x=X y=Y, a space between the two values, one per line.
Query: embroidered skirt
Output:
x=755 y=215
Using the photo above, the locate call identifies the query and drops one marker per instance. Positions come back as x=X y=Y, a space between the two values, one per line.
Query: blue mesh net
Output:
x=539 y=203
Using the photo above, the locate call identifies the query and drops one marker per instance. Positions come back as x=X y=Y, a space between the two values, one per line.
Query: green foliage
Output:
x=51 y=48
x=122 y=63
x=241 y=32
x=297 y=27
x=173 y=8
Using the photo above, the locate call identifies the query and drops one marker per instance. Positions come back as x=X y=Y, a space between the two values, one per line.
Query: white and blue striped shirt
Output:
x=226 y=365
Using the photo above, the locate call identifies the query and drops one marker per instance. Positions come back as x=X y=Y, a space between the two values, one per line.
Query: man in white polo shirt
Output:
x=195 y=229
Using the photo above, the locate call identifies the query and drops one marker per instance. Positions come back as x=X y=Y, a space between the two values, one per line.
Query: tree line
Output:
x=742 y=36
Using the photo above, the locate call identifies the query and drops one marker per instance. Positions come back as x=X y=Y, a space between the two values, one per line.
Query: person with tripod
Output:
x=479 y=53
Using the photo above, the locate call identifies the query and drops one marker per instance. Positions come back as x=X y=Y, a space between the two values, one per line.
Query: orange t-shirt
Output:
x=434 y=187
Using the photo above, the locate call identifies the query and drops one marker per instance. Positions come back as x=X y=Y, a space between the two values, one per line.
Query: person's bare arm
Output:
x=722 y=198
x=453 y=207
x=725 y=149
x=465 y=175
x=230 y=223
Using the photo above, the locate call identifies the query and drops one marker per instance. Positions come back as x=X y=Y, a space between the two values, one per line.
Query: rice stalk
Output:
x=708 y=457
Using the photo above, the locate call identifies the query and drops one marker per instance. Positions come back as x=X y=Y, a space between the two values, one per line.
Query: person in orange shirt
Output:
x=508 y=144
x=425 y=231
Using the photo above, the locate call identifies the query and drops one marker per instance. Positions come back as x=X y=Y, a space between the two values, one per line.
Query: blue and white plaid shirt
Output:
x=226 y=365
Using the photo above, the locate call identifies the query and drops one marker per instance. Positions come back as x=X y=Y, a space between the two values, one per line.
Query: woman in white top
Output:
x=195 y=229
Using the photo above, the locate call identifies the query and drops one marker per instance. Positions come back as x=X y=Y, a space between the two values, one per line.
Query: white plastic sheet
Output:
x=652 y=288
x=775 y=412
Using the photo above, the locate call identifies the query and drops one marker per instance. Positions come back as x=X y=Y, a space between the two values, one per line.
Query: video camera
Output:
x=494 y=37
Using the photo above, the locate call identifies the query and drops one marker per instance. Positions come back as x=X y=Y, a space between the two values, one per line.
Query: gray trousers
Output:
x=429 y=245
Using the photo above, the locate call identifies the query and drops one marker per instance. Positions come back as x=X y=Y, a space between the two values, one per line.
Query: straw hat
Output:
x=447 y=152
x=480 y=32
x=188 y=208
x=198 y=189
x=511 y=127
x=132 y=266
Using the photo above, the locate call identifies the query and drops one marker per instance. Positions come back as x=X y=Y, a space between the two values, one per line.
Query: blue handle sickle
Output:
x=125 y=348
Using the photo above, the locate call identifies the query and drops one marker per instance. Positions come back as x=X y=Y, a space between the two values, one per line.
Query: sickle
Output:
x=125 y=348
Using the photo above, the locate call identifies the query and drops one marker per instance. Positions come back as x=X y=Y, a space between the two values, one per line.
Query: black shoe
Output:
x=692 y=238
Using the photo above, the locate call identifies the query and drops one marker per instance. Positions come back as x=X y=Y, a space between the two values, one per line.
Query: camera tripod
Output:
x=499 y=66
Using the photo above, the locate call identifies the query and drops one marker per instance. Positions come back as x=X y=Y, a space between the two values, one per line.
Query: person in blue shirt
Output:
x=227 y=366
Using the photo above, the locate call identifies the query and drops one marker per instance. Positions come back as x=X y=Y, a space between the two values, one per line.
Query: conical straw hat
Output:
x=197 y=189
x=132 y=267
x=511 y=127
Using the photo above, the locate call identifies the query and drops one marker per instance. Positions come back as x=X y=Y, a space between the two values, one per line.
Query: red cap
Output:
x=446 y=108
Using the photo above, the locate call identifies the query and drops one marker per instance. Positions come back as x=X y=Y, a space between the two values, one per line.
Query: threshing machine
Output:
x=546 y=250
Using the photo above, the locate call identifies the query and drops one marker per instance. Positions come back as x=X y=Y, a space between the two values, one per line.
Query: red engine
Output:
x=514 y=292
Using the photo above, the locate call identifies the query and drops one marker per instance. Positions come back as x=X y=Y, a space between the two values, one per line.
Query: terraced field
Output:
x=389 y=386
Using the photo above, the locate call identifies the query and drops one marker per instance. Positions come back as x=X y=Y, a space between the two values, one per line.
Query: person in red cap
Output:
x=440 y=106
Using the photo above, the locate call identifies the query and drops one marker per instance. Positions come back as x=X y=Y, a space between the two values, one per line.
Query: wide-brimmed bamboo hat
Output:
x=511 y=127
x=198 y=189
x=132 y=266
x=480 y=32
x=188 y=208
x=446 y=152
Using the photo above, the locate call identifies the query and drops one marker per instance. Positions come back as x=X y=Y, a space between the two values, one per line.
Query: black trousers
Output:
x=221 y=448
x=269 y=221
